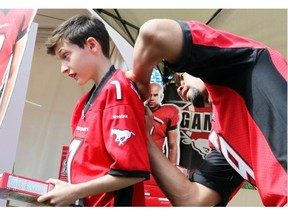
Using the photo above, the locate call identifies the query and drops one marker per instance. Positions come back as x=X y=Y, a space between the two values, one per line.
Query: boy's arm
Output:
x=65 y=194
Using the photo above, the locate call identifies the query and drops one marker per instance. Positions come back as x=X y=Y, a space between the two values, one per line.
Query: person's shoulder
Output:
x=170 y=105
x=120 y=76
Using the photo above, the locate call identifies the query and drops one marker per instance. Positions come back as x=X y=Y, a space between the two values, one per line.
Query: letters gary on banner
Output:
x=14 y=27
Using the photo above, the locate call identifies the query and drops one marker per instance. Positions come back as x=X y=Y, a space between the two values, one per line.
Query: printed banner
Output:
x=195 y=128
x=14 y=27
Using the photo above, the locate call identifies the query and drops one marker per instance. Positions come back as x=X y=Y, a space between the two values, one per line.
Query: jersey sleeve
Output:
x=27 y=18
x=207 y=50
x=174 y=116
x=124 y=132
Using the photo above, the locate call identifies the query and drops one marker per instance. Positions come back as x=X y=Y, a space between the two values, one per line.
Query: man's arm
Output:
x=158 y=39
x=176 y=186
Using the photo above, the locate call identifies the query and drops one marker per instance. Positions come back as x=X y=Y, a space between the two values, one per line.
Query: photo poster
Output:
x=14 y=28
x=194 y=127
x=11 y=125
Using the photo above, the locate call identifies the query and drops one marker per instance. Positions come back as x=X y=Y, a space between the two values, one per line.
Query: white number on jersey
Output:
x=72 y=151
x=2 y=38
x=118 y=89
x=233 y=158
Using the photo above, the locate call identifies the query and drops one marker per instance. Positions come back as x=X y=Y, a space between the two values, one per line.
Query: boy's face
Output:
x=75 y=61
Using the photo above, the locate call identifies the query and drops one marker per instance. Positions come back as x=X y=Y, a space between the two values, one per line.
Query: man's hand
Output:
x=142 y=87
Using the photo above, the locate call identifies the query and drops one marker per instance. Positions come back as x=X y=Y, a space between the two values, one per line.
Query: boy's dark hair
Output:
x=76 y=30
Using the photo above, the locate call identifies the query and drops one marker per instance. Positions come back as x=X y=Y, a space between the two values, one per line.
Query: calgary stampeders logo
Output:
x=195 y=128
x=121 y=135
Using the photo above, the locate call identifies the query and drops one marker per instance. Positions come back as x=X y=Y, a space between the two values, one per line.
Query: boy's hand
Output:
x=63 y=194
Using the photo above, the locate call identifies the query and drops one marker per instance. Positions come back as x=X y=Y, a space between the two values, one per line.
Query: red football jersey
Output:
x=166 y=117
x=247 y=82
x=13 y=26
x=109 y=138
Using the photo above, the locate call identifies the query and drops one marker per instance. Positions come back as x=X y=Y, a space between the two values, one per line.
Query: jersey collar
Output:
x=96 y=89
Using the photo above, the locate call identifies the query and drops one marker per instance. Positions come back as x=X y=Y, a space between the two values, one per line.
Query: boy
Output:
x=108 y=158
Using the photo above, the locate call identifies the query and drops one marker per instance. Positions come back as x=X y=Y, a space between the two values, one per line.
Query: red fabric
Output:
x=96 y=150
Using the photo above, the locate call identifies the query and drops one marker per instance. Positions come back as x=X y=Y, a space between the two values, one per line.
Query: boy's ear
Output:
x=91 y=42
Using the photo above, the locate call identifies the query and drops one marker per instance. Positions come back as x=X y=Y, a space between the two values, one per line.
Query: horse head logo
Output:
x=200 y=145
x=121 y=135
